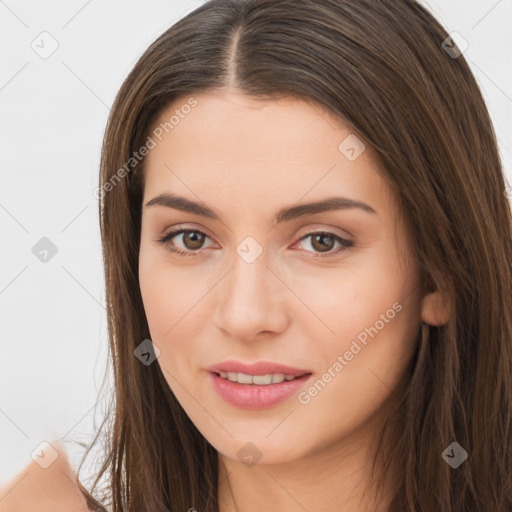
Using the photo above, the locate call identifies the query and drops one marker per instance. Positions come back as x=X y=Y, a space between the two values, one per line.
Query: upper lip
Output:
x=259 y=368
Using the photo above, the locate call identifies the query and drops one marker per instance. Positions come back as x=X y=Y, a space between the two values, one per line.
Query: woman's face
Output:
x=344 y=310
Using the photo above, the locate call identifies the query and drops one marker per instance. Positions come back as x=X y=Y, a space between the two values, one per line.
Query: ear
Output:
x=436 y=307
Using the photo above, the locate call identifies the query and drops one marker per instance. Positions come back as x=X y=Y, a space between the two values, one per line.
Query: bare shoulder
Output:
x=43 y=490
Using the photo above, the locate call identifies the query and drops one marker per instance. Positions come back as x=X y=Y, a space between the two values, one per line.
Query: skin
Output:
x=246 y=159
x=52 y=489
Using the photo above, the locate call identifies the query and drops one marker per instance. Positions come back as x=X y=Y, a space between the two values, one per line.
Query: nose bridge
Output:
x=248 y=280
x=249 y=295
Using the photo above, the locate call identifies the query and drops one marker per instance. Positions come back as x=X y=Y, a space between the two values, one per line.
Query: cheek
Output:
x=173 y=299
x=358 y=294
x=167 y=322
x=375 y=322
x=166 y=292
x=370 y=315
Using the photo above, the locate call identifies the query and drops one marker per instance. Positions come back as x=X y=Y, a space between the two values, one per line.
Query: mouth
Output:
x=228 y=369
x=260 y=386
x=259 y=380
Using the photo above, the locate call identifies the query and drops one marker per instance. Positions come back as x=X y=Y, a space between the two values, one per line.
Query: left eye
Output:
x=194 y=239
x=190 y=237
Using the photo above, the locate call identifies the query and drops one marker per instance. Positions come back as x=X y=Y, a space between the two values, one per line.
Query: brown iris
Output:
x=318 y=241
x=193 y=240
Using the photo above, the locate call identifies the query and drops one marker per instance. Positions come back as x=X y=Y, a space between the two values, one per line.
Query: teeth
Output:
x=262 y=380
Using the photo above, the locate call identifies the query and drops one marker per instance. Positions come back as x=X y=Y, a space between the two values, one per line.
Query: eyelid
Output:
x=313 y=228
x=346 y=242
x=342 y=233
x=175 y=229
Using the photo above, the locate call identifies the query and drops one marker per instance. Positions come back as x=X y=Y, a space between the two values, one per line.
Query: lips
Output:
x=257 y=396
x=258 y=368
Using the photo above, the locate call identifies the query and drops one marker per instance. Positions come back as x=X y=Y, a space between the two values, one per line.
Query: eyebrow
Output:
x=283 y=215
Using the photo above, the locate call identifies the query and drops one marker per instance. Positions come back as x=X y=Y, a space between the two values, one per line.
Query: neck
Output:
x=332 y=477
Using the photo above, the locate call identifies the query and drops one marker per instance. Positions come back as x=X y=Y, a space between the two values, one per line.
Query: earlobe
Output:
x=435 y=308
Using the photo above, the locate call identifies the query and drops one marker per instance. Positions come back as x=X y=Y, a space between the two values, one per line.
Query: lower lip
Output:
x=254 y=396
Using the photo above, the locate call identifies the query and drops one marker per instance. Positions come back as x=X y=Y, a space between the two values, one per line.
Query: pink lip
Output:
x=259 y=368
x=253 y=396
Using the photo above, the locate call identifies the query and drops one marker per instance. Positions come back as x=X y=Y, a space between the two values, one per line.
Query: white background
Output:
x=53 y=115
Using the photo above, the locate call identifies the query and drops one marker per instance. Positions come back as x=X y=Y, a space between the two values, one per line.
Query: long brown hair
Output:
x=381 y=66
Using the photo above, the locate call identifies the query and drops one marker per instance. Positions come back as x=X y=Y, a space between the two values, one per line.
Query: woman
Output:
x=307 y=248
x=44 y=487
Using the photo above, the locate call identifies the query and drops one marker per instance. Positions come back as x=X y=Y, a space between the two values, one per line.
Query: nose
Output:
x=251 y=301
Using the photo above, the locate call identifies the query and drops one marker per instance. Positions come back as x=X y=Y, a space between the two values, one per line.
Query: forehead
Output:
x=254 y=152
x=255 y=124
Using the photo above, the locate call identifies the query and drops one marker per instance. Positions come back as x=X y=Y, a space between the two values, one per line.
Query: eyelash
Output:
x=347 y=244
